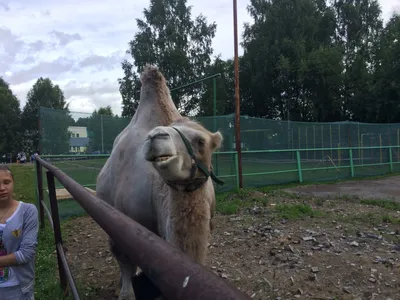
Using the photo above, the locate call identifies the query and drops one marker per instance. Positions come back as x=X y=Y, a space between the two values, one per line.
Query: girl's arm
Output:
x=8 y=260
x=27 y=249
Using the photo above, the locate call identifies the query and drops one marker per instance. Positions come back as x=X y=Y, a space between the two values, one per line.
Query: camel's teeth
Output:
x=162 y=158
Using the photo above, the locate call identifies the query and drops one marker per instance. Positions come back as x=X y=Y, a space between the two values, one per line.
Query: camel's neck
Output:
x=189 y=223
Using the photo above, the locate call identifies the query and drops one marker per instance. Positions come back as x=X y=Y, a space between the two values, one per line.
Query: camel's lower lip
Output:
x=162 y=158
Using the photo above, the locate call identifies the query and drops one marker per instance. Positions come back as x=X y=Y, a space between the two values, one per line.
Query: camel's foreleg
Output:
x=127 y=269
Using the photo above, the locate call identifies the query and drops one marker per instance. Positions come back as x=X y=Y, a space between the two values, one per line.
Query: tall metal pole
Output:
x=102 y=135
x=237 y=97
x=215 y=102
x=215 y=118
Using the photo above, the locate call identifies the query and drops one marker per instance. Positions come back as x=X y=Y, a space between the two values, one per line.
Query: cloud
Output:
x=4 y=6
x=64 y=65
x=46 y=13
x=43 y=69
x=10 y=44
x=88 y=96
x=65 y=38
x=104 y=86
x=101 y=62
x=14 y=50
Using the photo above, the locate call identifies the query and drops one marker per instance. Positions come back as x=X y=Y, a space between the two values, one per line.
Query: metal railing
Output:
x=351 y=160
x=171 y=271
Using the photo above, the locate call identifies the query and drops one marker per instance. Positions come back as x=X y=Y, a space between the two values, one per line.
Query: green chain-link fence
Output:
x=274 y=152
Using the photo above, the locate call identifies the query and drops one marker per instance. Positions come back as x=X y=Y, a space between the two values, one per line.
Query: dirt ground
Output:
x=342 y=249
x=386 y=188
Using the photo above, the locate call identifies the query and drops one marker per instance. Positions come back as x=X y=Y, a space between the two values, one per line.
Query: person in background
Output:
x=23 y=158
x=18 y=242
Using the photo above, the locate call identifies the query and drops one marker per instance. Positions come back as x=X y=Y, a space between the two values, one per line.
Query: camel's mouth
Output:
x=162 y=159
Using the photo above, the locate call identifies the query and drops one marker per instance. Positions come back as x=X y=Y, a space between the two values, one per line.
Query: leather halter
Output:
x=192 y=184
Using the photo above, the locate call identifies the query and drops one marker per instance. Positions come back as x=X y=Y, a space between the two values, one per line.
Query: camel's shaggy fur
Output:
x=146 y=154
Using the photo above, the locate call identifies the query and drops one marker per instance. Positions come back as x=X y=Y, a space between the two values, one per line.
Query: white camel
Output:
x=159 y=173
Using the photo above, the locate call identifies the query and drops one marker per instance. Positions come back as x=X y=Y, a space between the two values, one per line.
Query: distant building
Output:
x=79 y=139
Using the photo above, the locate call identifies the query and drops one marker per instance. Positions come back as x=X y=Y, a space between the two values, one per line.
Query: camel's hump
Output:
x=151 y=75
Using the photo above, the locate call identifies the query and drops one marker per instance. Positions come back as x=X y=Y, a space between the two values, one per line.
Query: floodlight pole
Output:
x=215 y=103
x=237 y=97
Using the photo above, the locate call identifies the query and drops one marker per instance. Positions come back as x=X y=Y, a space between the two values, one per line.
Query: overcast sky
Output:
x=80 y=44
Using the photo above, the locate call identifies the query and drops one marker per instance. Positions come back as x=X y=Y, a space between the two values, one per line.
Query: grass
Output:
x=296 y=211
x=368 y=218
x=232 y=203
x=389 y=205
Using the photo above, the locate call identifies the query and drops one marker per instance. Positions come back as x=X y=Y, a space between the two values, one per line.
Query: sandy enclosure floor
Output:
x=347 y=252
x=386 y=188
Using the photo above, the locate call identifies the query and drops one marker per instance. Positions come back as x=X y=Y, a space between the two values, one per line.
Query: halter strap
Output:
x=198 y=164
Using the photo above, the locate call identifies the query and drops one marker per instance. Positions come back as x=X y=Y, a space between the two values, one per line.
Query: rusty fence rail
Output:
x=170 y=270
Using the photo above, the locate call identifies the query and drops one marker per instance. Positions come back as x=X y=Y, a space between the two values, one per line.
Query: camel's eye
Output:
x=201 y=142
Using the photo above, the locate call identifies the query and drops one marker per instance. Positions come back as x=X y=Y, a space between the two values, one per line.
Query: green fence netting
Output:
x=273 y=150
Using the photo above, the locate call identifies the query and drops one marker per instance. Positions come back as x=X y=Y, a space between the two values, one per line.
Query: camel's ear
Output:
x=216 y=140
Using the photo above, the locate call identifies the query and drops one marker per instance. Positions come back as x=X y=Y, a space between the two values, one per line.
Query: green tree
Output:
x=105 y=111
x=225 y=91
x=103 y=127
x=45 y=94
x=55 y=136
x=169 y=38
x=358 y=28
x=386 y=87
x=10 y=122
x=129 y=88
x=280 y=75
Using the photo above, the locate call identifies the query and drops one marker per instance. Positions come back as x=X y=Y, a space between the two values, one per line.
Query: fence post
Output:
x=299 y=166
x=39 y=177
x=237 y=170
x=351 y=162
x=57 y=228
x=391 y=159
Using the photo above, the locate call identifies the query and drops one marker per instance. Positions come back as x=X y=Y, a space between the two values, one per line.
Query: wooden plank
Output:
x=63 y=194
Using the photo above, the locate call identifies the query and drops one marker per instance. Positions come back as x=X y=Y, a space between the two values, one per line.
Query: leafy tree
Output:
x=358 y=27
x=279 y=59
x=103 y=127
x=129 y=88
x=45 y=94
x=387 y=76
x=104 y=111
x=224 y=89
x=10 y=122
x=55 y=137
x=169 y=38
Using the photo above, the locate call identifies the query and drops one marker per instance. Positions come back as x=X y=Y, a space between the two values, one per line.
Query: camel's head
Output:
x=181 y=153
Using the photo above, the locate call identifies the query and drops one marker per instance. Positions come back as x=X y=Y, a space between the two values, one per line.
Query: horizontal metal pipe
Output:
x=251 y=151
x=316 y=149
x=171 y=270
